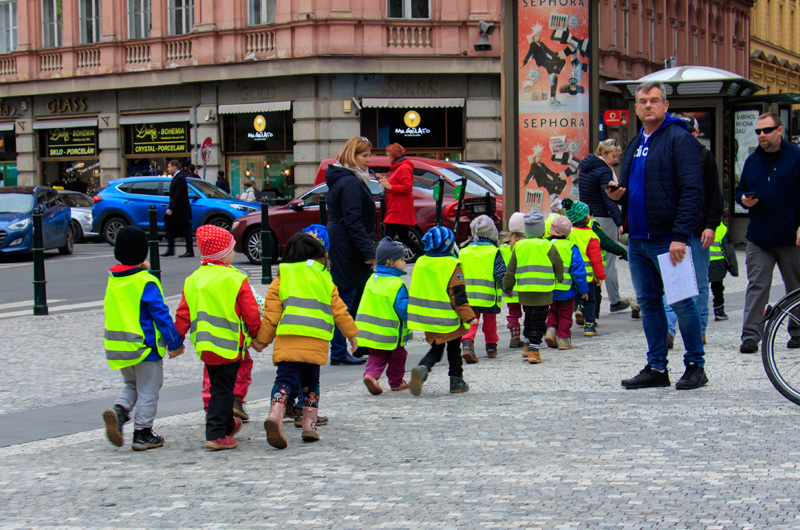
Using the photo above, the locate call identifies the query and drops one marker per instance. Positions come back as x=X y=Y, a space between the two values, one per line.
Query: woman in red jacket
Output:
x=399 y=185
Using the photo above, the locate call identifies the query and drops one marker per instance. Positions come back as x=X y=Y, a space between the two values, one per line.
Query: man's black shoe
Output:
x=794 y=342
x=168 y=253
x=647 y=378
x=347 y=360
x=622 y=305
x=361 y=351
x=748 y=346
x=693 y=377
x=187 y=255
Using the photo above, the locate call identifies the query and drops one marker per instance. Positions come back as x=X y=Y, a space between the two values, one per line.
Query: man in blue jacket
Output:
x=770 y=189
x=661 y=192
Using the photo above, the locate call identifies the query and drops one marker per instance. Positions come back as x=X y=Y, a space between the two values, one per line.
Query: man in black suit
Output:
x=178 y=217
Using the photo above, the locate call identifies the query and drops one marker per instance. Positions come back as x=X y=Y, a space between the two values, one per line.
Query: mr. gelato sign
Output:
x=412 y=120
x=260 y=134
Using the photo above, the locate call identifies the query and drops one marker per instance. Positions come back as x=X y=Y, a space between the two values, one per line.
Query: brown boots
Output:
x=310 y=424
x=274 y=426
x=532 y=354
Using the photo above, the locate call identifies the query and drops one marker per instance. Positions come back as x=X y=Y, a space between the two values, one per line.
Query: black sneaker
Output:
x=719 y=314
x=144 y=439
x=748 y=346
x=693 y=377
x=458 y=385
x=115 y=418
x=794 y=342
x=620 y=306
x=647 y=378
x=635 y=311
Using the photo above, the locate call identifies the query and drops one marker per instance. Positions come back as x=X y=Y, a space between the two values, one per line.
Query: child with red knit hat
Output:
x=219 y=309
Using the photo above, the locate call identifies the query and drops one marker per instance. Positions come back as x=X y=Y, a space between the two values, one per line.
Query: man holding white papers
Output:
x=661 y=192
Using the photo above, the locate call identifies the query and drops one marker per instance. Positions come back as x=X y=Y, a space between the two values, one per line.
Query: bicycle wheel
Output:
x=781 y=362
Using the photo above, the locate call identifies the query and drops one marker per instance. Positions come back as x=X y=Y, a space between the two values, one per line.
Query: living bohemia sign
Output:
x=70 y=143
x=160 y=138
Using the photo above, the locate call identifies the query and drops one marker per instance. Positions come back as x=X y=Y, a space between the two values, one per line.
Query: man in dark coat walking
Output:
x=178 y=217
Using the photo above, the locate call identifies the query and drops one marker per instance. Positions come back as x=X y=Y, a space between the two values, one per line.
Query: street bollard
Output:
x=382 y=210
x=323 y=210
x=438 y=194
x=266 y=244
x=460 y=198
x=489 y=204
x=39 y=282
x=155 y=259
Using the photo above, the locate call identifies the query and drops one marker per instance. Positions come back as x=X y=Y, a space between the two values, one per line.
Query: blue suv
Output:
x=16 y=224
x=127 y=201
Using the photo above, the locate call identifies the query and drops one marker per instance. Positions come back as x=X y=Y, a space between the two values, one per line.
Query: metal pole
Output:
x=266 y=244
x=39 y=282
x=155 y=260
x=323 y=210
x=381 y=228
x=489 y=208
x=460 y=190
x=439 y=196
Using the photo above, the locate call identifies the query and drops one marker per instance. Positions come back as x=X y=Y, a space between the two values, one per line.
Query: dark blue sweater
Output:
x=594 y=173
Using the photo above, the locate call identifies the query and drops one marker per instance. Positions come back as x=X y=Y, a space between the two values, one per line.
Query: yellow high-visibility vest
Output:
x=211 y=293
x=564 y=247
x=477 y=261
x=716 y=247
x=505 y=251
x=429 y=306
x=124 y=337
x=306 y=291
x=379 y=327
x=581 y=237
x=534 y=271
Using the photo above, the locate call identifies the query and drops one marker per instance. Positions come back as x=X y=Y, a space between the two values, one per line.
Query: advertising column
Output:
x=552 y=99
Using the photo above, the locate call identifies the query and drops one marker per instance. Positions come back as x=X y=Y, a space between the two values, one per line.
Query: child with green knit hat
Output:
x=589 y=245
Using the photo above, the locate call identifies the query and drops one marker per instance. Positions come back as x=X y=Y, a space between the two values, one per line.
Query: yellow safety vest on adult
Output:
x=716 y=247
x=211 y=293
x=306 y=290
x=477 y=262
x=124 y=338
x=429 y=305
x=581 y=237
x=505 y=251
x=379 y=327
x=534 y=271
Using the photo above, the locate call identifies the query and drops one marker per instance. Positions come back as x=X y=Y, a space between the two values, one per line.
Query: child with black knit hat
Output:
x=138 y=331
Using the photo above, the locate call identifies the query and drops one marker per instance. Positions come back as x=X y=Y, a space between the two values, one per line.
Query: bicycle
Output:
x=782 y=362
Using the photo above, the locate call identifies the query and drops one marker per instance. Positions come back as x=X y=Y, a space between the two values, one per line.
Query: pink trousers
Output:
x=559 y=316
x=514 y=314
x=393 y=360
x=243 y=379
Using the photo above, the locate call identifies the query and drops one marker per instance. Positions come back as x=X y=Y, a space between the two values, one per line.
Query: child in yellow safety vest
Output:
x=723 y=261
x=534 y=270
x=574 y=285
x=438 y=305
x=382 y=318
x=516 y=228
x=138 y=330
x=301 y=308
x=484 y=269
x=589 y=244
x=219 y=311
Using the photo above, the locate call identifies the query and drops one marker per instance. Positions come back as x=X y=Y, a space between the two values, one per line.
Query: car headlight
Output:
x=235 y=224
x=20 y=225
x=17 y=242
x=243 y=208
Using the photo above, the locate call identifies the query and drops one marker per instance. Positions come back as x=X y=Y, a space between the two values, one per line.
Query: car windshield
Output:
x=16 y=202
x=476 y=188
x=77 y=200
x=311 y=197
x=482 y=176
x=209 y=190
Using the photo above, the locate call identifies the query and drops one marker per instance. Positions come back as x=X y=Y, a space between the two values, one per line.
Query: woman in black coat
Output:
x=351 y=225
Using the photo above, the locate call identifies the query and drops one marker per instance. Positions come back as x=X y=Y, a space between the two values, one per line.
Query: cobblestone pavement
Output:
x=558 y=445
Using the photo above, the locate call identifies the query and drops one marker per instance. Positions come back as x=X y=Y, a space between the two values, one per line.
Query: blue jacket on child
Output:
x=577 y=270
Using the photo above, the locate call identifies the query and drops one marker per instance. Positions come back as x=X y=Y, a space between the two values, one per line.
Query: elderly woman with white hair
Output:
x=596 y=171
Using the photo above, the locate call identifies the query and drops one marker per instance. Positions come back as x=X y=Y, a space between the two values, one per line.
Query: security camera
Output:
x=356 y=103
x=485 y=28
x=208 y=116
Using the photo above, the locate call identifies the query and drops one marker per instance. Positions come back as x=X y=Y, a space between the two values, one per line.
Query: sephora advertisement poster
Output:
x=552 y=99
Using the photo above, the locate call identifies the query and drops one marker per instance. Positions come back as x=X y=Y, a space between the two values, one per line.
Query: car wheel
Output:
x=252 y=246
x=416 y=236
x=77 y=231
x=111 y=227
x=222 y=222
x=69 y=244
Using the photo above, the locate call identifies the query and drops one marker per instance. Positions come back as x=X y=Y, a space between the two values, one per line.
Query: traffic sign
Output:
x=205 y=150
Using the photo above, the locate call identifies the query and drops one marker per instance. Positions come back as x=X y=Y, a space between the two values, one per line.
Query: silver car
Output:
x=80 y=206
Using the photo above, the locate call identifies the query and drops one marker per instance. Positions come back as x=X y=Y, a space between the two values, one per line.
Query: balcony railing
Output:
x=8 y=66
x=137 y=55
x=179 y=50
x=89 y=58
x=260 y=42
x=409 y=36
x=50 y=62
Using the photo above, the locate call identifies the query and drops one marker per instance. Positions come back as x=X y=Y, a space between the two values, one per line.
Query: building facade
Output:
x=102 y=89
x=775 y=48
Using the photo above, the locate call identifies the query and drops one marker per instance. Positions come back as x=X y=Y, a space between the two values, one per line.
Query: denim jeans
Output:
x=646 y=275
x=339 y=343
x=702 y=258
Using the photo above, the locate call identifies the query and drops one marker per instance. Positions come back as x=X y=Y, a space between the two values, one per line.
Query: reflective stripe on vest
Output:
x=124 y=337
x=715 y=251
x=211 y=293
x=429 y=307
x=581 y=237
x=378 y=324
x=564 y=247
x=306 y=291
x=534 y=271
x=505 y=251
x=477 y=261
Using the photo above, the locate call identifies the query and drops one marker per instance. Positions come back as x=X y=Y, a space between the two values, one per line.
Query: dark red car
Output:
x=304 y=210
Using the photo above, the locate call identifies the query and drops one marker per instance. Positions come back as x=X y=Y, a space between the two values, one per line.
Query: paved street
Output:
x=557 y=445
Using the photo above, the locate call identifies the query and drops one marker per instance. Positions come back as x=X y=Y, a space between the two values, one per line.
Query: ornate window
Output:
x=181 y=16
x=408 y=9
x=8 y=26
x=260 y=12
x=138 y=19
x=90 y=21
x=52 y=23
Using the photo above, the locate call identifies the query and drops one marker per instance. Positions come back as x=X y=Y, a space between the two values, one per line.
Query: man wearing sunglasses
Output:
x=770 y=189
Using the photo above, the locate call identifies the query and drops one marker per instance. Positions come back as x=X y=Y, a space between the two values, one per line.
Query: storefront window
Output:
x=436 y=133
x=258 y=132
x=70 y=157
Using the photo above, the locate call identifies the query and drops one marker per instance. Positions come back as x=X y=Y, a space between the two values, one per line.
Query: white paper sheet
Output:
x=680 y=281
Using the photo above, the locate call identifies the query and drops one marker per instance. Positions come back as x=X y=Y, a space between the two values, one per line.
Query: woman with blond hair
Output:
x=596 y=171
x=351 y=226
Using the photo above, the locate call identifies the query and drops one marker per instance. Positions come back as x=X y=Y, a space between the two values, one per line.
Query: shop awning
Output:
x=153 y=118
x=7 y=126
x=63 y=124
x=249 y=108
x=410 y=103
